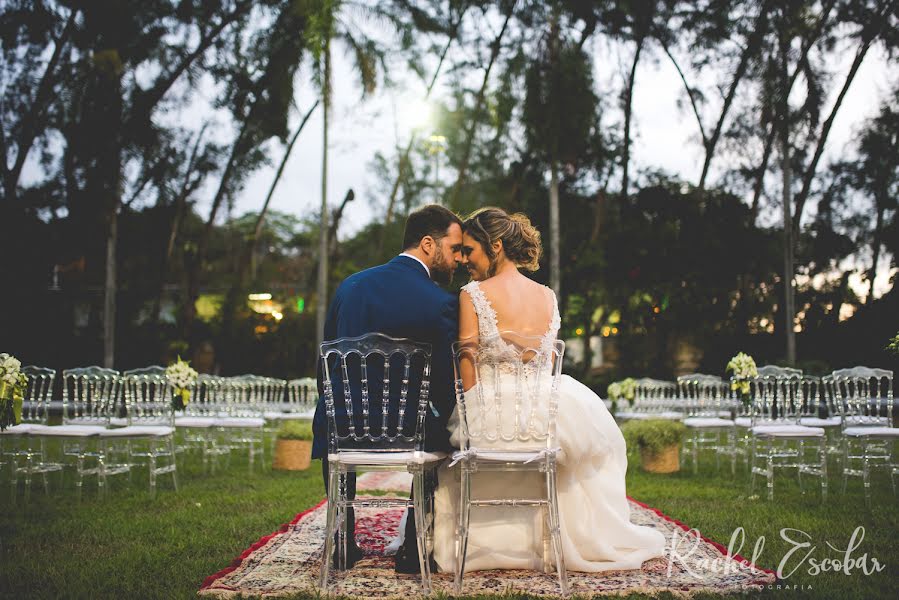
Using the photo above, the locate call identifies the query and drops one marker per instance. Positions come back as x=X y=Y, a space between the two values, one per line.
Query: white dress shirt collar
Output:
x=421 y=262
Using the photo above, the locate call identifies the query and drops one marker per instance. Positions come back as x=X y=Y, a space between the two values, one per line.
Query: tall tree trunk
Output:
x=555 y=276
x=628 y=109
x=29 y=124
x=783 y=121
x=825 y=130
x=321 y=300
x=404 y=158
x=875 y=251
x=189 y=310
x=752 y=46
x=479 y=101
x=801 y=64
x=175 y=225
x=110 y=289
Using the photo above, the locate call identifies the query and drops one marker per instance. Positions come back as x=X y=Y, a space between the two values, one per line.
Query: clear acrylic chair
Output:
x=241 y=423
x=196 y=423
x=865 y=397
x=778 y=440
x=508 y=423
x=704 y=399
x=89 y=398
x=376 y=395
x=150 y=424
x=28 y=454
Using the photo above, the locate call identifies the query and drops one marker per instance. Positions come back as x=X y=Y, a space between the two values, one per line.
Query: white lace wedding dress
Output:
x=597 y=534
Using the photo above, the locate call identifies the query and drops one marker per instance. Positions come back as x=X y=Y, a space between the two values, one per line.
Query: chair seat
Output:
x=504 y=456
x=668 y=415
x=724 y=414
x=708 y=422
x=787 y=431
x=67 y=430
x=20 y=429
x=194 y=421
x=289 y=416
x=623 y=414
x=386 y=458
x=743 y=421
x=241 y=422
x=871 y=431
x=816 y=422
x=118 y=422
x=138 y=431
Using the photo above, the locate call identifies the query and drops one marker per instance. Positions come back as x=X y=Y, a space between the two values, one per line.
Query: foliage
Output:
x=653 y=435
x=295 y=430
x=893 y=346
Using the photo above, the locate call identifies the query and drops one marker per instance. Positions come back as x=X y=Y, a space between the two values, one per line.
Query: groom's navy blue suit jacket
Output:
x=399 y=300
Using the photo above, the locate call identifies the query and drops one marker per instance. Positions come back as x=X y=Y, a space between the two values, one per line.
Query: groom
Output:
x=402 y=299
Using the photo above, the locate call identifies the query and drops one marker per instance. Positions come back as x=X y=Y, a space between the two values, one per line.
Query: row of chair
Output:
x=788 y=420
x=113 y=422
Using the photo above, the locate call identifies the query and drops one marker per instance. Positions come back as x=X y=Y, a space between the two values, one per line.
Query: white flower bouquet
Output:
x=13 y=384
x=182 y=377
x=743 y=367
x=625 y=388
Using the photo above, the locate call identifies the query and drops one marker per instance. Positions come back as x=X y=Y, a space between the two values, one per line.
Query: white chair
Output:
x=28 y=454
x=150 y=425
x=376 y=395
x=242 y=424
x=196 y=423
x=778 y=440
x=865 y=397
x=510 y=432
x=703 y=397
x=89 y=396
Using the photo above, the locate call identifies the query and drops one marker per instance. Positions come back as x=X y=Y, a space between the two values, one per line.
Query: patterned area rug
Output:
x=384 y=481
x=288 y=561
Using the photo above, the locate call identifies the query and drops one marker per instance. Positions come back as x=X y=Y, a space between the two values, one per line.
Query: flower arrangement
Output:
x=743 y=367
x=13 y=384
x=623 y=389
x=182 y=377
x=893 y=346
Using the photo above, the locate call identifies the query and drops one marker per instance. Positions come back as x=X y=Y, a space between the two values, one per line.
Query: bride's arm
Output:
x=468 y=333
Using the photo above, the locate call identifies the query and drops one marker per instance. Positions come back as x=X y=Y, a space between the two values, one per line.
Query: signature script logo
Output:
x=803 y=552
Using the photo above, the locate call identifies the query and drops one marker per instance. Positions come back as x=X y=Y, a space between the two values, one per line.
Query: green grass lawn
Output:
x=131 y=546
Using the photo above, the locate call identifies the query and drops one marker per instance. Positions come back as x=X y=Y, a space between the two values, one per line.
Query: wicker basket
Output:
x=666 y=461
x=292 y=455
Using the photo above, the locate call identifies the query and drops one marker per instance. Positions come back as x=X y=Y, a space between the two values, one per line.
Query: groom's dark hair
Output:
x=432 y=220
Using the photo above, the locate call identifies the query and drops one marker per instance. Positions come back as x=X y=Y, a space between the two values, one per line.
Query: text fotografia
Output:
x=804 y=554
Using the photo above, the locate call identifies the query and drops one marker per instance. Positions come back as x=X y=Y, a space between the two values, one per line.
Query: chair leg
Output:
x=174 y=462
x=769 y=470
x=421 y=530
x=330 y=526
x=866 y=479
x=556 y=525
x=751 y=461
x=823 y=457
x=846 y=463
x=464 y=522
x=342 y=514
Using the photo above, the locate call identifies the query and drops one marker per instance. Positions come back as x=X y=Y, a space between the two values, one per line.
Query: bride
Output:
x=597 y=534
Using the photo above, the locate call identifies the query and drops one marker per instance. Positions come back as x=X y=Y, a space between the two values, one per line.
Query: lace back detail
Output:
x=487 y=323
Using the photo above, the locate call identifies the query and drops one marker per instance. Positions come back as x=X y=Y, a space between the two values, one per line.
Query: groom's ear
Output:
x=428 y=244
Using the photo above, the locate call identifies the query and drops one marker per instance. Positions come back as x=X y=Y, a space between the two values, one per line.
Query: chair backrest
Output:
x=148 y=396
x=35 y=408
x=207 y=398
x=702 y=395
x=376 y=392
x=864 y=396
x=302 y=395
x=775 y=371
x=776 y=399
x=811 y=397
x=654 y=395
x=513 y=401
x=89 y=395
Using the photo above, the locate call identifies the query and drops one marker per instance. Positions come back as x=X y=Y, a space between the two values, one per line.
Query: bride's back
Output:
x=520 y=304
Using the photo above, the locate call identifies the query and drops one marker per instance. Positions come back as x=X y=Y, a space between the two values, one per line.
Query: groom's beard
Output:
x=440 y=273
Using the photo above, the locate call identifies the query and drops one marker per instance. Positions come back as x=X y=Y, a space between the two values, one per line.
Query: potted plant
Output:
x=659 y=441
x=293 y=446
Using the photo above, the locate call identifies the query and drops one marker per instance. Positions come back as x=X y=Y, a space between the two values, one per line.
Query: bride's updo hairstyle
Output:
x=521 y=240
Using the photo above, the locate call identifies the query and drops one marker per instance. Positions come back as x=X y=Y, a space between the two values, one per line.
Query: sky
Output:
x=665 y=135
